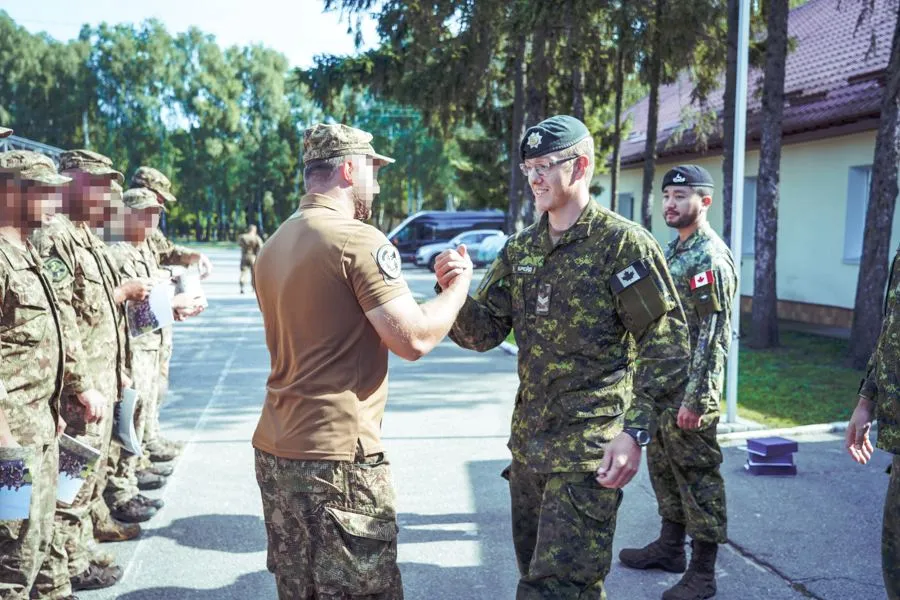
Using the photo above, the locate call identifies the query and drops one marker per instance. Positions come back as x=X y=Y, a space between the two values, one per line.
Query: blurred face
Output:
x=554 y=181
x=365 y=186
x=683 y=206
x=39 y=201
x=89 y=196
x=139 y=223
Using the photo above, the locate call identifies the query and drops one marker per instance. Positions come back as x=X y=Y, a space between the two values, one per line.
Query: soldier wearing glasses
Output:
x=602 y=341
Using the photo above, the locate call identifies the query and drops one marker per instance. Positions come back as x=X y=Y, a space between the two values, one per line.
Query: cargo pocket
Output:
x=608 y=401
x=592 y=501
x=357 y=553
x=690 y=449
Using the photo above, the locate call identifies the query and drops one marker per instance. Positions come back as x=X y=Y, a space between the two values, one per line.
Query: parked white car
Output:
x=488 y=250
x=426 y=255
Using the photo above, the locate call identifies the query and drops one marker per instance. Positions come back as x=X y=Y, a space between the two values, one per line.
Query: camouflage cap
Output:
x=150 y=178
x=329 y=141
x=32 y=166
x=88 y=162
x=141 y=198
x=5 y=132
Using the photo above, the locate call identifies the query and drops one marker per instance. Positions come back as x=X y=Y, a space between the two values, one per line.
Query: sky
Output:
x=296 y=28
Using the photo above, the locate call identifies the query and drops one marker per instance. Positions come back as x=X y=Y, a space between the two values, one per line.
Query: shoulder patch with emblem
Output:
x=629 y=276
x=638 y=296
x=55 y=269
x=387 y=257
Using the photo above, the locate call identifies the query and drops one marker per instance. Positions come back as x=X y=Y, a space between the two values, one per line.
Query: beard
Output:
x=361 y=210
x=682 y=220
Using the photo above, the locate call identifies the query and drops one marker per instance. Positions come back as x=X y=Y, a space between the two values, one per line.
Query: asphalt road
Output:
x=811 y=536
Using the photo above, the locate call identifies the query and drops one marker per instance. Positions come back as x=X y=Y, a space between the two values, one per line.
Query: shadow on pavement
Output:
x=496 y=574
x=259 y=584
x=236 y=534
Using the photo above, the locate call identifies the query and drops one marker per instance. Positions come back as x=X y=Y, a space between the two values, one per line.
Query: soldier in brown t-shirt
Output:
x=334 y=301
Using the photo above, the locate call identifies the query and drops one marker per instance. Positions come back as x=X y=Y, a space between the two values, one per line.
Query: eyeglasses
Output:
x=542 y=170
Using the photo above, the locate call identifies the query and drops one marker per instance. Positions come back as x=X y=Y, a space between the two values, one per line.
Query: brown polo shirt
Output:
x=316 y=277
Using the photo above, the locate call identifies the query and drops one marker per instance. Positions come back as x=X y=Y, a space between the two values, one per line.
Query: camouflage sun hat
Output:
x=329 y=141
x=141 y=198
x=32 y=166
x=5 y=132
x=88 y=162
x=147 y=177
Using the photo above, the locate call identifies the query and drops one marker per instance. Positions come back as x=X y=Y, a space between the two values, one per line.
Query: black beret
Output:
x=552 y=135
x=692 y=175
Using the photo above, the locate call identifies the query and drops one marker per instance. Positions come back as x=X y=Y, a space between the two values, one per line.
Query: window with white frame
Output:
x=748 y=233
x=859 y=181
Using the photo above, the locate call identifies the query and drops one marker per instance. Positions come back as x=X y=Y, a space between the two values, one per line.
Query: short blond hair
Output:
x=583 y=148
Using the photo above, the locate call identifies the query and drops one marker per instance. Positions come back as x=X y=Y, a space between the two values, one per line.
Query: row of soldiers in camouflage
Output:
x=65 y=358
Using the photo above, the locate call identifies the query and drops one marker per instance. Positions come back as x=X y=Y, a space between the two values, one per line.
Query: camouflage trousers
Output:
x=158 y=398
x=890 y=534
x=69 y=553
x=563 y=526
x=332 y=528
x=247 y=273
x=24 y=544
x=684 y=471
x=122 y=484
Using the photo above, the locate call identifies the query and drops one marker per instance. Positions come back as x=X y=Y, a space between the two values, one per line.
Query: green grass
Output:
x=802 y=382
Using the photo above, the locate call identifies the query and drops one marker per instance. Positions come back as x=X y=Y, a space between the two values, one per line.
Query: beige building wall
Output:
x=818 y=180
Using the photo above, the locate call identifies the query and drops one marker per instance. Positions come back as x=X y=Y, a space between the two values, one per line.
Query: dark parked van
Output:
x=432 y=226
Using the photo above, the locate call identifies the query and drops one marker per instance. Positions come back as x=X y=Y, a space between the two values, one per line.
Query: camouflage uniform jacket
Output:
x=137 y=262
x=31 y=346
x=250 y=245
x=167 y=253
x=84 y=277
x=882 y=382
x=602 y=336
x=704 y=274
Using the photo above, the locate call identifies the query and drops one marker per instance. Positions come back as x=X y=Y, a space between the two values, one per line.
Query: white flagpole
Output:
x=737 y=202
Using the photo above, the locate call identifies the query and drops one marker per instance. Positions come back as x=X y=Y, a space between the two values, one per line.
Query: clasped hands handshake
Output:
x=454 y=268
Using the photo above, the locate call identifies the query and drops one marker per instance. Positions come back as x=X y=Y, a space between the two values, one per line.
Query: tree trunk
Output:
x=873 y=265
x=655 y=76
x=572 y=31
x=617 y=120
x=517 y=131
x=734 y=14
x=764 y=331
x=536 y=109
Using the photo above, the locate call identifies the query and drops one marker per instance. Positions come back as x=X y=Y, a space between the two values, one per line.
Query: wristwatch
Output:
x=641 y=436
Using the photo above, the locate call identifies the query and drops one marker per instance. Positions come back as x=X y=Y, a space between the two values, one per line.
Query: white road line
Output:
x=172 y=487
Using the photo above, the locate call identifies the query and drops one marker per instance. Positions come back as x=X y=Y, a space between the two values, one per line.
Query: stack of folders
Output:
x=771 y=456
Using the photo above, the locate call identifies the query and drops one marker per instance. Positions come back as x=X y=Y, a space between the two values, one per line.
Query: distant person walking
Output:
x=251 y=244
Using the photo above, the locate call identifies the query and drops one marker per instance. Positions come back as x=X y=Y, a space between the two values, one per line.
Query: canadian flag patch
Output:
x=701 y=279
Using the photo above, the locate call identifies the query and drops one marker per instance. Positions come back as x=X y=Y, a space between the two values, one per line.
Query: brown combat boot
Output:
x=666 y=553
x=155 y=503
x=699 y=582
x=160 y=452
x=161 y=469
x=96 y=578
x=111 y=530
x=133 y=511
x=147 y=480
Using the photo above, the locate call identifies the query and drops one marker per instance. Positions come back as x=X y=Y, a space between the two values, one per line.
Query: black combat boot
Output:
x=666 y=553
x=699 y=582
